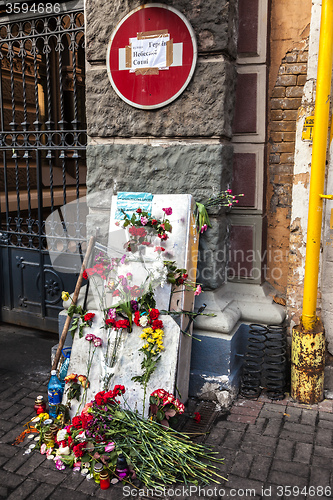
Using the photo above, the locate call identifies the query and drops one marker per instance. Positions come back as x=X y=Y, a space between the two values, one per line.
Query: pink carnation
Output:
x=198 y=290
x=98 y=342
x=90 y=337
x=167 y=211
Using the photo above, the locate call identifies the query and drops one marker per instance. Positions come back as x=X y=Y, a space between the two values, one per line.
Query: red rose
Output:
x=163 y=236
x=137 y=318
x=139 y=211
x=89 y=317
x=85 y=275
x=154 y=314
x=185 y=276
x=157 y=324
x=154 y=222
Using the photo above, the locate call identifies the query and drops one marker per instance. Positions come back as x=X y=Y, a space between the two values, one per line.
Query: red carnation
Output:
x=154 y=314
x=197 y=417
x=122 y=323
x=85 y=275
x=157 y=324
x=89 y=317
x=137 y=231
x=137 y=318
x=110 y=321
x=99 y=398
x=79 y=449
x=139 y=211
x=154 y=222
x=77 y=422
x=119 y=389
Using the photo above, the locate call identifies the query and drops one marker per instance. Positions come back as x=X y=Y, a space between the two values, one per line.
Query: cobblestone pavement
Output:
x=271 y=449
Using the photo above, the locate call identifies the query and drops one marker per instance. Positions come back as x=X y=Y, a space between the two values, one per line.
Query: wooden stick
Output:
x=74 y=300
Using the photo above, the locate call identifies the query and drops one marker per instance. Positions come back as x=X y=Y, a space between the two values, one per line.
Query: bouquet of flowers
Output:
x=164 y=406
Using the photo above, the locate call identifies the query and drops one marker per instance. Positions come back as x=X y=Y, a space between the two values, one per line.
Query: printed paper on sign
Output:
x=149 y=52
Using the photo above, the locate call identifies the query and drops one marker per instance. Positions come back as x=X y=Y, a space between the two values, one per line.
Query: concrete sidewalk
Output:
x=271 y=449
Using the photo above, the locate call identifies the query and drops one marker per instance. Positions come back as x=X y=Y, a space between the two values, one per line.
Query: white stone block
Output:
x=173 y=369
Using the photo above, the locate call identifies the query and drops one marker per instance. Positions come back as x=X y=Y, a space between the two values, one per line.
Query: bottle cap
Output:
x=39 y=398
x=98 y=467
x=104 y=475
x=121 y=462
x=53 y=372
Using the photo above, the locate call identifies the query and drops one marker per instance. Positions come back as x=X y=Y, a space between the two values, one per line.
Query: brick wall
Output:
x=283 y=107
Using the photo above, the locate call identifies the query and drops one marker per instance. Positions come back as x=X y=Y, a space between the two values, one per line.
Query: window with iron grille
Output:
x=42 y=134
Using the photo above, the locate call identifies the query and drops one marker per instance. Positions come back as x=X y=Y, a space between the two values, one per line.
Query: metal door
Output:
x=42 y=157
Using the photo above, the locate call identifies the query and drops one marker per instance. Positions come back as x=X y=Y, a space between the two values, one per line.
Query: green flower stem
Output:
x=159 y=456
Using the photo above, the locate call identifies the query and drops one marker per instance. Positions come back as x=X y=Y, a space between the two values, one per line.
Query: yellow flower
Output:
x=145 y=346
x=65 y=296
x=70 y=377
x=152 y=351
x=159 y=332
x=150 y=340
x=143 y=336
x=148 y=330
x=83 y=381
x=161 y=347
x=43 y=416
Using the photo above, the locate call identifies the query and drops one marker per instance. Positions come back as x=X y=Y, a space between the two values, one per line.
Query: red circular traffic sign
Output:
x=151 y=56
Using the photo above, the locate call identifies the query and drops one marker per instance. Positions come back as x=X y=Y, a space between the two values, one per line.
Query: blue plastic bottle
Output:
x=64 y=367
x=54 y=391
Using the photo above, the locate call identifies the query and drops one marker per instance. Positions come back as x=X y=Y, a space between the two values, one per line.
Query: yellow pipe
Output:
x=319 y=146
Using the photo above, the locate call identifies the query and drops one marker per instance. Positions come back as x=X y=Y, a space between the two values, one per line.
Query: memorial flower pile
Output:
x=106 y=430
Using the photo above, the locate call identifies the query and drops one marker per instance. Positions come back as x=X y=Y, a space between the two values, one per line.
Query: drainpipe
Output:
x=308 y=339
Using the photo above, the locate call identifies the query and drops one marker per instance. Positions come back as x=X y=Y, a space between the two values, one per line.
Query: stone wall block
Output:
x=200 y=170
x=214 y=23
x=204 y=109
